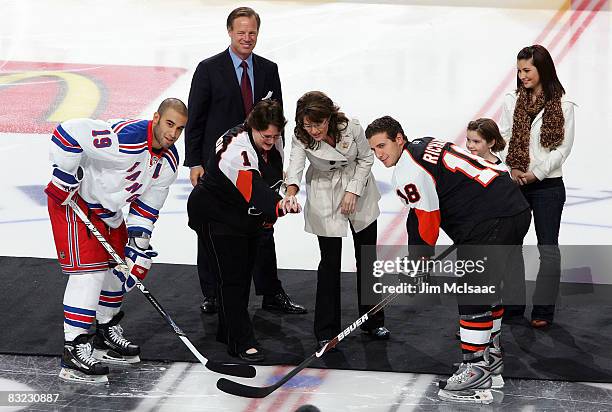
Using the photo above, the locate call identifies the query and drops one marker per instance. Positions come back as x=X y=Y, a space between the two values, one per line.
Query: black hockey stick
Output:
x=243 y=371
x=246 y=391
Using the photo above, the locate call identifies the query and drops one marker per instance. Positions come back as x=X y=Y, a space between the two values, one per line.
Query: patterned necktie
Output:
x=245 y=88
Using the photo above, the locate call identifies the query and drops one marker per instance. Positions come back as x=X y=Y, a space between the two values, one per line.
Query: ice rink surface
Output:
x=434 y=67
x=187 y=387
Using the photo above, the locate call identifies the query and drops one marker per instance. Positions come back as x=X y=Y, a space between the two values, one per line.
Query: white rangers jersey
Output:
x=120 y=168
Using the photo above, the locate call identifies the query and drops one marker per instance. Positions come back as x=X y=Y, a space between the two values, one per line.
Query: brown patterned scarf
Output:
x=551 y=132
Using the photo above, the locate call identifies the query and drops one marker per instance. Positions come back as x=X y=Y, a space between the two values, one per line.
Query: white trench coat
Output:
x=332 y=171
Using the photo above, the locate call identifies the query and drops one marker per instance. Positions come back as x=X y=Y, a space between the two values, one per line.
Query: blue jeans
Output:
x=546 y=199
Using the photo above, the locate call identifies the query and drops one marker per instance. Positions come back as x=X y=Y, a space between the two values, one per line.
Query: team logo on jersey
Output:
x=253 y=211
x=62 y=255
x=49 y=93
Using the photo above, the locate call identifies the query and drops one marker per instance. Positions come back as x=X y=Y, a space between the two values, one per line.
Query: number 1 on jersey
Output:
x=245 y=159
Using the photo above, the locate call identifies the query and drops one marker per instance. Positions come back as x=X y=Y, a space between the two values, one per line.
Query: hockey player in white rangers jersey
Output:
x=477 y=204
x=104 y=166
x=228 y=209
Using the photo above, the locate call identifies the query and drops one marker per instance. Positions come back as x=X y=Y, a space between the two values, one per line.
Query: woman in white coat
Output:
x=341 y=192
x=538 y=124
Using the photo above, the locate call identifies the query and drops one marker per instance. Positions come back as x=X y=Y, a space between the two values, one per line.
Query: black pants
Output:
x=513 y=279
x=546 y=199
x=328 y=307
x=231 y=257
x=497 y=243
x=265 y=272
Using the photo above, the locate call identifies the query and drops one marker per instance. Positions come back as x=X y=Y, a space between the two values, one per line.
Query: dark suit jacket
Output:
x=215 y=102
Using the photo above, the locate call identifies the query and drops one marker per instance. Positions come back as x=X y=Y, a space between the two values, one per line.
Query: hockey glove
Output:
x=120 y=272
x=63 y=186
x=138 y=256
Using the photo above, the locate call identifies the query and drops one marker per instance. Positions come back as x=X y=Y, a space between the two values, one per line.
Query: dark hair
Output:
x=488 y=130
x=388 y=125
x=318 y=108
x=265 y=113
x=172 y=103
x=546 y=70
x=242 y=12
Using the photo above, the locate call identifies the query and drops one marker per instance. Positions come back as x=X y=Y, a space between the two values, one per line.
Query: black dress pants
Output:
x=265 y=272
x=265 y=269
x=328 y=306
x=231 y=257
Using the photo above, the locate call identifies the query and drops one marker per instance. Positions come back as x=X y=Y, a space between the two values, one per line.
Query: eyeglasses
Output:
x=269 y=136
x=318 y=126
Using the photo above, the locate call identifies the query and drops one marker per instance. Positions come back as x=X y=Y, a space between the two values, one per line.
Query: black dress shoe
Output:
x=209 y=304
x=322 y=343
x=249 y=357
x=540 y=323
x=381 y=333
x=282 y=302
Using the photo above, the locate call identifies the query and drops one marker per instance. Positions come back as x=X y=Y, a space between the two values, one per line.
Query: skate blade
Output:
x=483 y=396
x=76 y=376
x=497 y=382
x=110 y=357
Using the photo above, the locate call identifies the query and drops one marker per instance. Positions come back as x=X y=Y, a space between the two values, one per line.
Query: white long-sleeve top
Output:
x=543 y=162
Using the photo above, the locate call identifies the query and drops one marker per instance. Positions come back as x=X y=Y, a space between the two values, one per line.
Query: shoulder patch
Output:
x=66 y=142
x=132 y=135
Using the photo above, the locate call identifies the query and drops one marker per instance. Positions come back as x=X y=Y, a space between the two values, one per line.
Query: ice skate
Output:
x=471 y=383
x=111 y=347
x=78 y=364
x=496 y=366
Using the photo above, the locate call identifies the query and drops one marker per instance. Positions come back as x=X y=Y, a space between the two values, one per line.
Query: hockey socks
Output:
x=111 y=298
x=475 y=332
x=80 y=301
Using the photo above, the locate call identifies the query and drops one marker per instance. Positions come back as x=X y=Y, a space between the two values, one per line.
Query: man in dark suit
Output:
x=224 y=88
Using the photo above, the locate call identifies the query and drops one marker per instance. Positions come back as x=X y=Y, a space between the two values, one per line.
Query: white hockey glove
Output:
x=138 y=256
x=63 y=186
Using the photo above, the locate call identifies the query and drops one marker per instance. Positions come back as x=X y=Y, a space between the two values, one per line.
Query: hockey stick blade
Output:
x=247 y=391
x=233 y=369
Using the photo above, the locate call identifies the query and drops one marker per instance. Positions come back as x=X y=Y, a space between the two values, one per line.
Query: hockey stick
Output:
x=246 y=391
x=243 y=371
